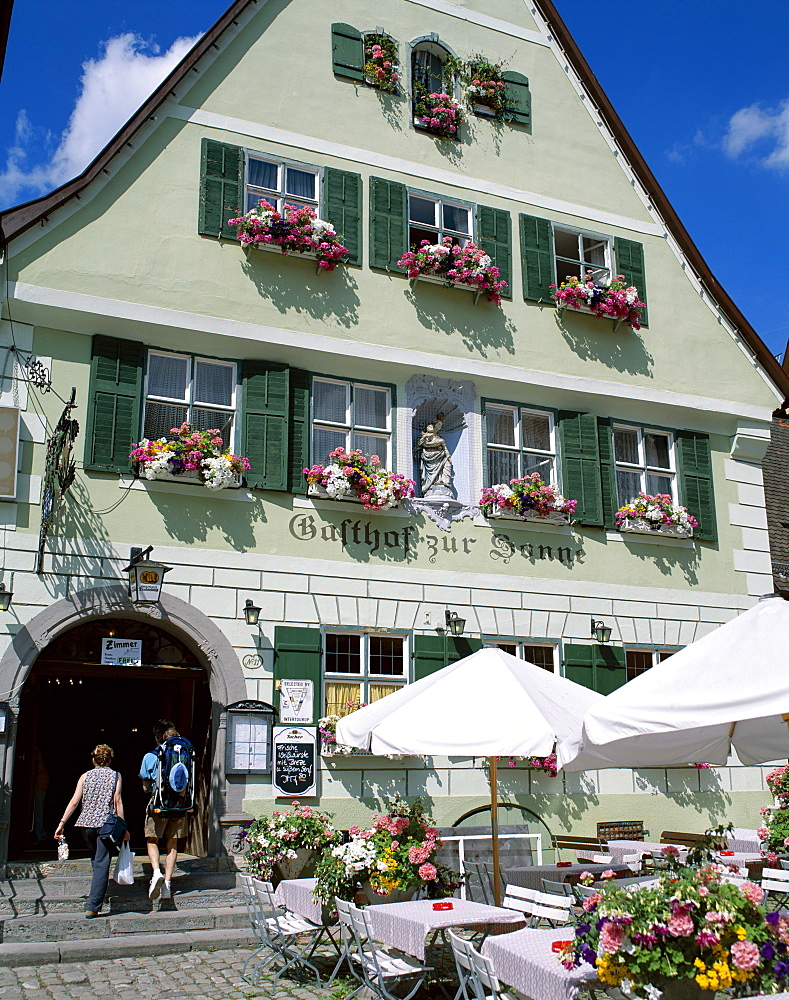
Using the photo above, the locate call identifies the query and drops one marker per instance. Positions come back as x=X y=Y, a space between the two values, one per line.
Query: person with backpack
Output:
x=99 y=791
x=168 y=774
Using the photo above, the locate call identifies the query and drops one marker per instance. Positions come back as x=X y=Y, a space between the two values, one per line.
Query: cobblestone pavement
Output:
x=196 y=975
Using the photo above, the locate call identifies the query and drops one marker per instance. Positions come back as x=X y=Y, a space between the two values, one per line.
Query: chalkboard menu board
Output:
x=295 y=752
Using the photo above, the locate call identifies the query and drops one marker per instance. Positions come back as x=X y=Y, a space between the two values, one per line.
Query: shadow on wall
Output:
x=483 y=327
x=191 y=518
x=669 y=561
x=291 y=284
x=594 y=339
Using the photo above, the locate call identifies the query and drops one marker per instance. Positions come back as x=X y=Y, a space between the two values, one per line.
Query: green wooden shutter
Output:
x=388 y=223
x=494 y=236
x=537 y=259
x=579 y=664
x=695 y=481
x=433 y=652
x=114 y=401
x=610 y=672
x=518 y=98
x=298 y=656
x=347 y=51
x=342 y=196
x=265 y=424
x=599 y=668
x=580 y=457
x=221 y=188
x=630 y=264
x=605 y=443
x=299 y=457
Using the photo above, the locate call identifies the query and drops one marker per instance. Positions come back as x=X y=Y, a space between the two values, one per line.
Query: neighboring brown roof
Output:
x=16 y=220
x=5 y=26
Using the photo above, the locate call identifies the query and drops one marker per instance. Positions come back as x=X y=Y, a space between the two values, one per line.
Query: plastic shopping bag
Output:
x=62 y=849
x=124 y=866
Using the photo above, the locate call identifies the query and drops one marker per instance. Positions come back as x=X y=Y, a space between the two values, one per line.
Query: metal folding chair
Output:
x=382 y=971
x=257 y=920
x=538 y=906
x=775 y=882
x=348 y=953
x=557 y=888
x=477 y=979
x=479 y=888
x=290 y=937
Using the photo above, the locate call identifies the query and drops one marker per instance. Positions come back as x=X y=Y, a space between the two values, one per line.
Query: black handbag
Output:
x=114 y=828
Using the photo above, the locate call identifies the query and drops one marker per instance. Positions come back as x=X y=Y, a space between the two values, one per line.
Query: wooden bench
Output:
x=562 y=842
x=685 y=839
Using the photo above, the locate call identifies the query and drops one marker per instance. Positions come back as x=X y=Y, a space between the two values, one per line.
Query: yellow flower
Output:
x=700 y=965
x=703 y=982
x=741 y=933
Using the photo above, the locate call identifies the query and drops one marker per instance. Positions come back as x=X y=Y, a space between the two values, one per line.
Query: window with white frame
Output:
x=540 y=654
x=181 y=388
x=351 y=415
x=519 y=441
x=645 y=463
x=581 y=255
x=432 y=219
x=359 y=668
x=638 y=661
x=427 y=68
x=280 y=183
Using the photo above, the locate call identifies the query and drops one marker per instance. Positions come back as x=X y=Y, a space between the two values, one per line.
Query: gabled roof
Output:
x=17 y=220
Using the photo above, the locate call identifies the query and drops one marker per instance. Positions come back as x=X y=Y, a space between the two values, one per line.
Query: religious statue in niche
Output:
x=435 y=461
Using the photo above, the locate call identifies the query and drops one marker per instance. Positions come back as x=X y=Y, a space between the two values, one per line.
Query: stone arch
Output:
x=200 y=633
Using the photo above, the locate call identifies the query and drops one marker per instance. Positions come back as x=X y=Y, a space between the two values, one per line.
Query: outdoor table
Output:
x=406 y=925
x=740 y=858
x=619 y=848
x=295 y=894
x=743 y=839
x=524 y=960
x=532 y=876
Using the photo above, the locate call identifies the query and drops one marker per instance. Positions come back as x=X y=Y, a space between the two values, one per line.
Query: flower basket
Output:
x=618 y=300
x=527 y=499
x=452 y=264
x=656 y=514
x=367 y=895
x=381 y=67
x=485 y=89
x=355 y=477
x=190 y=456
x=438 y=114
x=288 y=837
x=296 y=230
x=300 y=866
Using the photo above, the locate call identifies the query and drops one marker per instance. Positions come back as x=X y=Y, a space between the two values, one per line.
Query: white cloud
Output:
x=767 y=129
x=113 y=87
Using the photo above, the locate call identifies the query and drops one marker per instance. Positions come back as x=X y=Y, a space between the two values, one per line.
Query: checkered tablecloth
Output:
x=743 y=839
x=524 y=960
x=619 y=848
x=407 y=925
x=295 y=894
x=531 y=877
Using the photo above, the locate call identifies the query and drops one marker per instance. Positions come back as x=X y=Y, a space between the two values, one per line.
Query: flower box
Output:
x=433 y=279
x=297 y=229
x=483 y=110
x=354 y=477
x=527 y=498
x=555 y=517
x=450 y=264
x=192 y=456
x=617 y=300
x=191 y=476
x=645 y=528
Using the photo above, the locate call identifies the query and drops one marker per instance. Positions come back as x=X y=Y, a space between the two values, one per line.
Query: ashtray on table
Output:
x=564 y=864
x=558 y=946
x=443 y=905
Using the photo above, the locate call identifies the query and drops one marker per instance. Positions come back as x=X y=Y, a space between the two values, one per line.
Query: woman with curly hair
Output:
x=99 y=790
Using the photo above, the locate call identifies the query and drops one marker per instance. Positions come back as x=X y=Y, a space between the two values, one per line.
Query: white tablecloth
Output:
x=295 y=894
x=619 y=848
x=743 y=839
x=524 y=960
x=406 y=925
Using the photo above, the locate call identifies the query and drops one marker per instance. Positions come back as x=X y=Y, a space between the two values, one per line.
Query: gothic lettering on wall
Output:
x=363 y=537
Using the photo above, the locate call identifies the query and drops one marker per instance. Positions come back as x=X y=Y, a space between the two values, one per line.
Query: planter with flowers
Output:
x=288 y=844
x=546 y=765
x=438 y=114
x=527 y=499
x=453 y=265
x=617 y=300
x=393 y=859
x=690 y=934
x=188 y=454
x=485 y=89
x=297 y=229
x=352 y=476
x=381 y=65
x=774 y=832
x=656 y=514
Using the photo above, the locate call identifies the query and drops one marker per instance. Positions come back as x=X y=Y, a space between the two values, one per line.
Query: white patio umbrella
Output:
x=729 y=690
x=489 y=704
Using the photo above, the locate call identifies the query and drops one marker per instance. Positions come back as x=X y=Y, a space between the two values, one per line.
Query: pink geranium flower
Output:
x=745 y=955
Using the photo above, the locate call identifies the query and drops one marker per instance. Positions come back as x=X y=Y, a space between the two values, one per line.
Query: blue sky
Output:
x=701 y=85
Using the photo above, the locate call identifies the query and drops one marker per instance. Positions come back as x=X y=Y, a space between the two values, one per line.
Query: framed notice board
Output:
x=295 y=756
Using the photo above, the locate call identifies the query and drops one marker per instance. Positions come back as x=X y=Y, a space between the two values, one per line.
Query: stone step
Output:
x=120 y=899
x=18 y=870
x=68 y=927
x=15 y=953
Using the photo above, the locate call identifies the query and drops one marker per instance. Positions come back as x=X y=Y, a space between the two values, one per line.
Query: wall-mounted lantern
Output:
x=145 y=577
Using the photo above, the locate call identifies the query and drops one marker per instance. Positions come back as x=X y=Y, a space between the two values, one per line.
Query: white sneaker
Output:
x=167 y=892
x=155 y=887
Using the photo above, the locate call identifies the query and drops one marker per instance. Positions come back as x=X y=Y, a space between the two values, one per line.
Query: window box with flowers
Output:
x=190 y=455
x=617 y=300
x=656 y=514
x=453 y=265
x=297 y=229
x=288 y=844
x=354 y=476
x=527 y=499
x=381 y=63
x=327 y=729
x=438 y=113
x=484 y=86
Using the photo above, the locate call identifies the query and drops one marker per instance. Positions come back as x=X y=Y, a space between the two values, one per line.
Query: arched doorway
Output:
x=70 y=702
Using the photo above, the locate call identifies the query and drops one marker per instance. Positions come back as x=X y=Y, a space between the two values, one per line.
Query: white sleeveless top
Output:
x=98 y=791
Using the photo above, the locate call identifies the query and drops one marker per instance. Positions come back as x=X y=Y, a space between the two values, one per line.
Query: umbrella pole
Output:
x=494 y=826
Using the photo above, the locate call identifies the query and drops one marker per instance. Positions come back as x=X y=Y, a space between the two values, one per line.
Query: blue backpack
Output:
x=174 y=788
